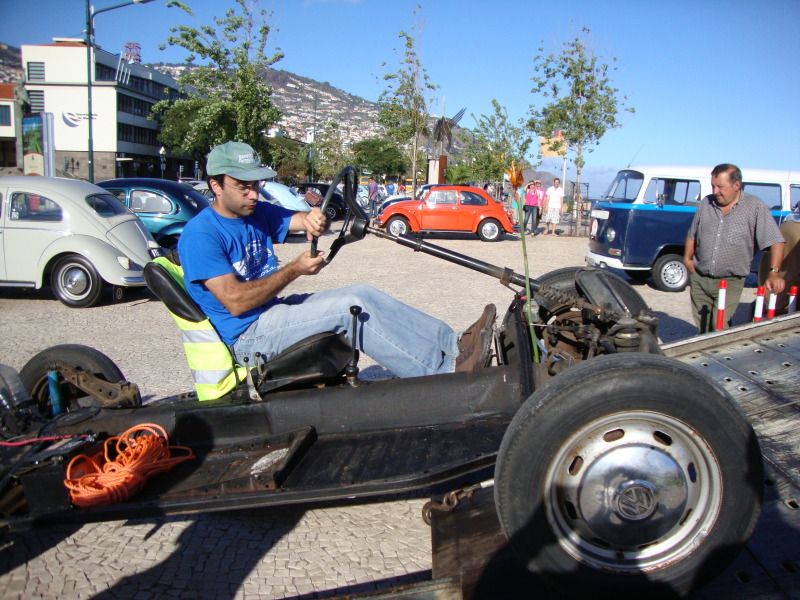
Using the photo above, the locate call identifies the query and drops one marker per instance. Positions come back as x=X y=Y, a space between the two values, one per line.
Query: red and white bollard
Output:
x=773 y=298
x=723 y=289
x=792 y=299
x=759 y=307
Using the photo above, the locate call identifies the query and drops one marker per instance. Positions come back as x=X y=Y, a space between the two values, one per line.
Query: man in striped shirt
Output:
x=720 y=244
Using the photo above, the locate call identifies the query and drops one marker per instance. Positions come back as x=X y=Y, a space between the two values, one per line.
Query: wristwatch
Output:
x=773 y=270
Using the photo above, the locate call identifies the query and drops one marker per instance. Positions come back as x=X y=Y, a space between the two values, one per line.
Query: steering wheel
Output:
x=356 y=220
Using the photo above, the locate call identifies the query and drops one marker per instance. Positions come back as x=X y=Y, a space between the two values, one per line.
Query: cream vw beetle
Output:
x=71 y=234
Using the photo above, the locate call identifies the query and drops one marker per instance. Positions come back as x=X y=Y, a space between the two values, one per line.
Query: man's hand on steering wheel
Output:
x=315 y=223
x=356 y=220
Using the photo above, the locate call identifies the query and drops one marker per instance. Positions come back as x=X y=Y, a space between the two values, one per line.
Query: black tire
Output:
x=332 y=212
x=670 y=274
x=564 y=280
x=611 y=484
x=490 y=230
x=76 y=282
x=637 y=275
x=34 y=374
x=398 y=226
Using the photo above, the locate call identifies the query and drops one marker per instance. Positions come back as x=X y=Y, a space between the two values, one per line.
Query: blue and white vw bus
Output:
x=640 y=224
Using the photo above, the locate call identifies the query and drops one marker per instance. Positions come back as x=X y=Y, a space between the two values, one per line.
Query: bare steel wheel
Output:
x=619 y=490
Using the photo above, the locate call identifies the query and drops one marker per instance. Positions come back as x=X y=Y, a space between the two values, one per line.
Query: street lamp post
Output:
x=90 y=15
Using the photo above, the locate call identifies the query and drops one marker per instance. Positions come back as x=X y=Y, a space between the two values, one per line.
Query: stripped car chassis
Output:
x=579 y=414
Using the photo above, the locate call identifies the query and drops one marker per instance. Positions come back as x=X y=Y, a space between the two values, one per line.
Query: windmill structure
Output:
x=443 y=130
x=443 y=140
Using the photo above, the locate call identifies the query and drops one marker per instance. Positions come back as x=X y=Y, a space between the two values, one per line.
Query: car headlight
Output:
x=125 y=262
x=611 y=234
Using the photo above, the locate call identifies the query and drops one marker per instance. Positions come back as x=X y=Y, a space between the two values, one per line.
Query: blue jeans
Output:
x=530 y=212
x=407 y=342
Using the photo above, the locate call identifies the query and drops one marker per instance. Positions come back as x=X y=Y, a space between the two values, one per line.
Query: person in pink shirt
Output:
x=534 y=196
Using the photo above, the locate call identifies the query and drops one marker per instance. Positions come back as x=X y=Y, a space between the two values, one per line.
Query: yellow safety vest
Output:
x=213 y=369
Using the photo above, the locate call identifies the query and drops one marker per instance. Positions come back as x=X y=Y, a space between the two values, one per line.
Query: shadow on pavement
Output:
x=212 y=557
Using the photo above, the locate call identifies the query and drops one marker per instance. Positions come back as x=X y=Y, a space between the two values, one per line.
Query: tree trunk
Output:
x=414 y=154
x=577 y=200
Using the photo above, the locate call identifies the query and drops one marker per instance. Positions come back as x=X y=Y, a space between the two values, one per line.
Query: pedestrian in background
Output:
x=721 y=242
x=534 y=197
x=554 y=199
x=372 y=196
x=539 y=191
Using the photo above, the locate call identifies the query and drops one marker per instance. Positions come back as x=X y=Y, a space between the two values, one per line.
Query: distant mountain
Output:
x=306 y=102
x=303 y=101
x=10 y=64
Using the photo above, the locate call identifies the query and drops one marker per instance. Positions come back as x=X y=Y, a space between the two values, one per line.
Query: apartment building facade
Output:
x=10 y=122
x=124 y=139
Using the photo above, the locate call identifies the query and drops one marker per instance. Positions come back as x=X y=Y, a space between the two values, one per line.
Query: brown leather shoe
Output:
x=475 y=344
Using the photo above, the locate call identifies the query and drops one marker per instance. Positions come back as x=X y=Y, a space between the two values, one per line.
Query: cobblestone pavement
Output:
x=288 y=552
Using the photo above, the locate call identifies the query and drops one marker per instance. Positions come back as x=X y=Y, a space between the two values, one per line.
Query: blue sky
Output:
x=711 y=80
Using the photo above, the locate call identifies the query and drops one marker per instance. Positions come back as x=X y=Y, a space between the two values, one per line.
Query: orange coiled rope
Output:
x=141 y=451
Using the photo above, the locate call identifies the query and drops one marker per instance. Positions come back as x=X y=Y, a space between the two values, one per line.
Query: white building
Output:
x=8 y=125
x=124 y=140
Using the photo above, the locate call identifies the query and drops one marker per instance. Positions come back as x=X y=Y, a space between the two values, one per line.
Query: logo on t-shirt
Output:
x=258 y=262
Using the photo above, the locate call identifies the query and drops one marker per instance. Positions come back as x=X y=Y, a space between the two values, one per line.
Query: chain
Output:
x=451 y=500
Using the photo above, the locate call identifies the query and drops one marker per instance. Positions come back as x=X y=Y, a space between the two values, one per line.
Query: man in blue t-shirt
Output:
x=230 y=270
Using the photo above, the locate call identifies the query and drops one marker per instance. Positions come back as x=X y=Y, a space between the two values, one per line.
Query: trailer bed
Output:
x=759 y=365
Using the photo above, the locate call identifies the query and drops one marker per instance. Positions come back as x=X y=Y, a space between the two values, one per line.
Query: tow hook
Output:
x=451 y=500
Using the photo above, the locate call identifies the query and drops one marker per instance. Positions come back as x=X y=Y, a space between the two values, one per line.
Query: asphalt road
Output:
x=279 y=553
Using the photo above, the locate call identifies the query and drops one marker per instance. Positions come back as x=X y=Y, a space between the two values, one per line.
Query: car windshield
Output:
x=625 y=187
x=106 y=205
x=195 y=199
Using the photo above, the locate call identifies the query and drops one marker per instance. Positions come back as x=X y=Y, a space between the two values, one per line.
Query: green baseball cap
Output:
x=238 y=160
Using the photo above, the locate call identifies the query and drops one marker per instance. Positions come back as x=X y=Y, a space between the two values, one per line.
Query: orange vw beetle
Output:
x=449 y=208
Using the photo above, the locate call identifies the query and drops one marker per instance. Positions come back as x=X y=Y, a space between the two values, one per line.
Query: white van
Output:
x=640 y=223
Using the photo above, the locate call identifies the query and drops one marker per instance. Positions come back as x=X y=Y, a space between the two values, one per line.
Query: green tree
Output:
x=495 y=143
x=578 y=98
x=224 y=97
x=380 y=156
x=290 y=159
x=403 y=105
x=458 y=173
x=330 y=150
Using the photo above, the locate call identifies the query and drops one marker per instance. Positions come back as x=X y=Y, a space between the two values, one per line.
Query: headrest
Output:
x=164 y=284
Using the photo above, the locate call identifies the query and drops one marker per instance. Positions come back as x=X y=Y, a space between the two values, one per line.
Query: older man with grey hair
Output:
x=727 y=226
